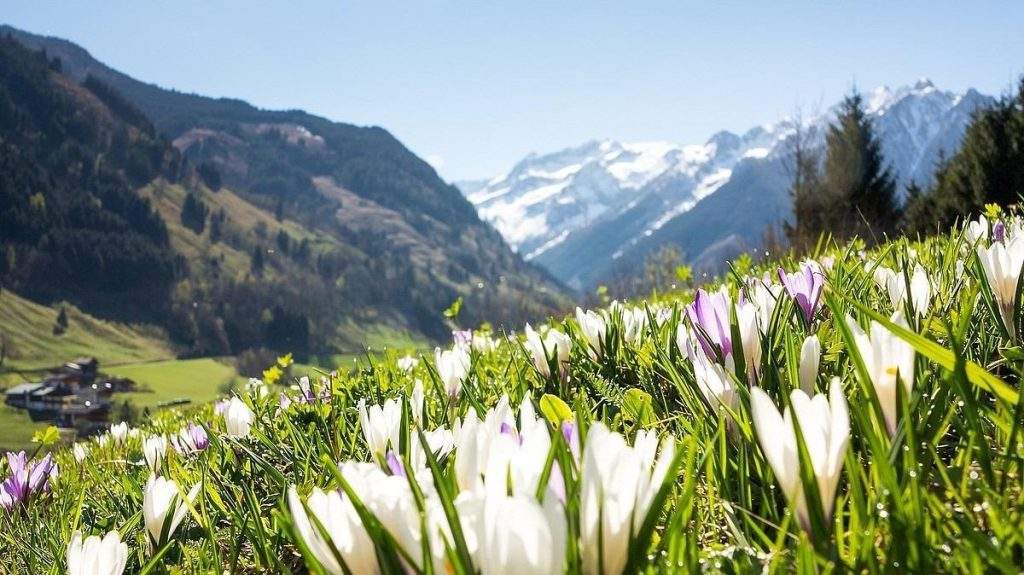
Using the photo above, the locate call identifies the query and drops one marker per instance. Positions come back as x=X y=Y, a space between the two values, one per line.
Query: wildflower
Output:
x=257 y=388
x=634 y=321
x=977 y=230
x=416 y=401
x=552 y=348
x=593 y=327
x=462 y=337
x=341 y=526
x=283 y=401
x=619 y=483
x=452 y=368
x=407 y=363
x=154 y=449
x=95 y=556
x=80 y=452
x=896 y=286
x=238 y=418
x=483 y=344
x=1002 y=262
x=713 y=379
x=825 y=428
x=804 y=286
x=119 y=433
x=998 y=231
x=191 y=439
x=308 y=395
x=766 y=296
x=750 y=337
x=163 y=509
x=888 y=359
x=26 y=480
x=810 y=356
x=382 y=425
x=513 y=534
x=221 y=406
x=711 y=317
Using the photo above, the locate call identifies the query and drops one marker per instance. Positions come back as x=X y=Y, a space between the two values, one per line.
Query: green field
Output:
x=28 y=336
x=198 y=380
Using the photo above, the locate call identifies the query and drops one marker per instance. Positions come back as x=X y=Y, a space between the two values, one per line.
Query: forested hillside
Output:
x=233 y=227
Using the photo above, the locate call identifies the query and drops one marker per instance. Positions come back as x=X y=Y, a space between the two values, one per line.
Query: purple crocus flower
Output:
x=999 y=231
x=804 y=286
x=571 y=433
x=26 y=479
x=462 y=337
x=308 y=395
x=511 y=431
x=712 y=314
x=190 y=440
x=395 y=464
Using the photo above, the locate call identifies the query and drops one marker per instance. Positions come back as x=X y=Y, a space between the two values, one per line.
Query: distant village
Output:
x=75 y=395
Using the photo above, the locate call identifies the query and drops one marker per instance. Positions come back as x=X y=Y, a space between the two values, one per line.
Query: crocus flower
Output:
x=452 y=368
x=482 y=343
x=407 y=363
x=634 y=321
x=154 y=449
x=119 y=433
x=80 y=451
x=95 y=556
x=810 y=357
x=462 y=337
x=895 y=284
x=713 y=379
x=1002 y=262
x=825 y=427
x=888 y=359
x=162 y=507
x=804 y=286
x=26 y=480
x=238 y=418
x=977 y=230
x=998 y=231
x=342 y=528
x=513 y=534
x=553 y=347
x=382 y=425
x=749 y=323
x=766 y=296
x=619 y=483
x=191 y=439
x=593 y=327
x=711 y=317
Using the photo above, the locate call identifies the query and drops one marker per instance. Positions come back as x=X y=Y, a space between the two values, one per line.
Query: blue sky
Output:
x=474 y=86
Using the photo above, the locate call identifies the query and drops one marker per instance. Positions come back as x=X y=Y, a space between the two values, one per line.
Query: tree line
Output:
x=847 y=189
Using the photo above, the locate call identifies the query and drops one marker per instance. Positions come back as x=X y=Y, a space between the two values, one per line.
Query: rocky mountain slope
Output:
x=597 y=210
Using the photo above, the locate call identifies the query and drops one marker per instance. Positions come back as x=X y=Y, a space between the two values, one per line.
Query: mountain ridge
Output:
x=584 y=241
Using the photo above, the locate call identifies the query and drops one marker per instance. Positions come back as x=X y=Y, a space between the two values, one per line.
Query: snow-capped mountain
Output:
x=588 y=212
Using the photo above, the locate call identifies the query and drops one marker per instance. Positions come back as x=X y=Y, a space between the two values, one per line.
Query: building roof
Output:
x=23 y=388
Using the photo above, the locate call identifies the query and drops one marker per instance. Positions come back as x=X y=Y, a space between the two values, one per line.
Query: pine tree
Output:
x=193 y=213
x=257 y=260
x=859 y=189
x=988 y=168
x=804 y=167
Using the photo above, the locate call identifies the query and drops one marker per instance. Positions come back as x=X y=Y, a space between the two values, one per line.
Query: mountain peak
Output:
x=923 y=84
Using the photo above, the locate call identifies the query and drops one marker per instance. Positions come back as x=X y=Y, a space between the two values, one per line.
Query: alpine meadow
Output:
x=240 y=340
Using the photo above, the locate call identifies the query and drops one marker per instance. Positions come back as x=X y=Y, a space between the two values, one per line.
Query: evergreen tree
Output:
x=859 y=189
x=809 y=208
x=988 y=168
x=193 y=213
x=257 y=260
x=62 y=322
x=284 y=241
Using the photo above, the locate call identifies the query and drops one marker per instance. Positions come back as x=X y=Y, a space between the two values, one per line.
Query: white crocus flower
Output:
x=888 y=359
x=977 y=231
x=810 y=357
x=341 y=525
x=238 y=418
x=512 y=534
x=766 y=296
x=416 y=401
x=482 y=343
x=119 y=433
x=714 y=380
x=619 y=483
x=825 y=427
x=553 y=346
x=896 y=286
x=452 y=367
x=95 y=556
x=162 y=503
x=750 y=330
x=593 y=327
x=382 y=425
x=407 y=363
x=154 y=449
x=1002 y=262
x=634 y=321
x=80 y=451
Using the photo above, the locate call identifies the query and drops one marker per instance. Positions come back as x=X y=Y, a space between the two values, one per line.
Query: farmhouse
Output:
x=74 y=395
